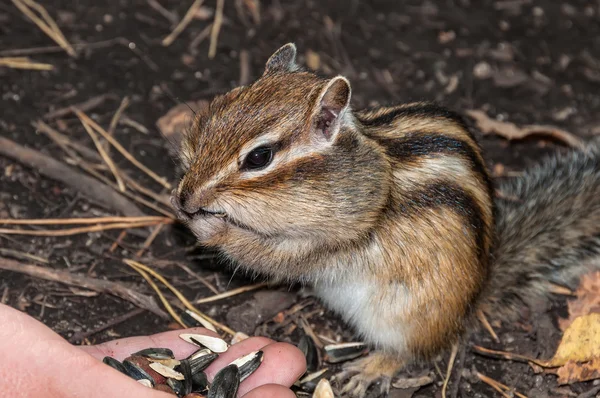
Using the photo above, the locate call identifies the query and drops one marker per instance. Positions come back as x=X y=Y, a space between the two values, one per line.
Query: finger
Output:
x=270 y=391
x=38 y=362
x=282 y=364
x=122 y=348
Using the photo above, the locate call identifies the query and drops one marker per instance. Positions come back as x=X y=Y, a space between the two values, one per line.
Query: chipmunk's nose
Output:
x=188 y=204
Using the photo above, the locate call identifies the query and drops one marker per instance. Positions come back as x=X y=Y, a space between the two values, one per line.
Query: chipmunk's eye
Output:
x=258 y=158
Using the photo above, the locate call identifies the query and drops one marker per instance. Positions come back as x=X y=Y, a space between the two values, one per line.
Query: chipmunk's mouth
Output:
x=215 y=213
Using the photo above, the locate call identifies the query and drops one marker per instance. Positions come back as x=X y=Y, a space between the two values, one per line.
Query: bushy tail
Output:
x=548 y=229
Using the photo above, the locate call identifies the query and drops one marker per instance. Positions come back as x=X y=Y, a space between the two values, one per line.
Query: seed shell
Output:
x=176 y=386
x=156 y=353
x=311 y=353
x=310 y=381
x=145 y=382
x=185 y=369
x=344 y=352
x=136 y=372
x=200 y=382
x=200 y=362
x=214 y=344
x=226 y=383
x=166 y=371
x=113 y=363
x=323 y=390
x=248 y=364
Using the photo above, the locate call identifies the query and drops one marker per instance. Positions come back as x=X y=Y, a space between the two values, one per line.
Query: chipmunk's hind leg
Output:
x=362 y=373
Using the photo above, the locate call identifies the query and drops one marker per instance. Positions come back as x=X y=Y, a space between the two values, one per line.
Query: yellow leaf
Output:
x=573 y=372
x=580 y=342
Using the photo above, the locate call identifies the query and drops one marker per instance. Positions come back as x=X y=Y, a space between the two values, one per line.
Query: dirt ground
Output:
x=526 y=61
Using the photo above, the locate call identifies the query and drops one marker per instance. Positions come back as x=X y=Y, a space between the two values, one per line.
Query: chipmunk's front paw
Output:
x=361 y=374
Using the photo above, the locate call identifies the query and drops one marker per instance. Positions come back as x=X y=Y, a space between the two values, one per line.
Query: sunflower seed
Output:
x=184 y=368
x=200 y=382
x=145 y=382
x=214 y=344
x=310 y=381
x=201 y=359
x=199 y=354
x=311 y=353
x=248 y=364
x=336 y=353
x=323 y=390
x=166 y=371
x=226 y=383
x=137 y=373
x=113 y=363
x=176 y=386
x=156 y=353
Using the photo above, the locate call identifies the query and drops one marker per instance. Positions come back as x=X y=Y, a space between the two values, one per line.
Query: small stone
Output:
x=482 y=70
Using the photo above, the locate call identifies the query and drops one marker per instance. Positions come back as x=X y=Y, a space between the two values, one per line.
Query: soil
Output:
x=527 y=61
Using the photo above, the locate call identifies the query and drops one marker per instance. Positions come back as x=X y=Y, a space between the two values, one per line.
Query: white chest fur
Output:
x=378 y=313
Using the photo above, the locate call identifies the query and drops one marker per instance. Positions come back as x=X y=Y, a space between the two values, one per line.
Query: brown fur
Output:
x=387 y=212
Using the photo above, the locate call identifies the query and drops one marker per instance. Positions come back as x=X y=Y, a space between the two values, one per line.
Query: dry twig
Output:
x=117 y=116
x=178 y=294
x=46 y=23
x=123 y=151
x=109 y=162
x=198 y=277
x=90 y=187
x=75 y=231
x=482 y=318
x=149 y=240
x=216 y=28
x=64 y=141
x=23 y=255
x=449 y=369
x=231 y=293
x=185 y=21
x=161 y=296
x=83 y=221
x=200 y=38
x=502 y=354
x=503 y=389
x=85 y=282
x=170 y=16
x=84 y=106
x=24 y=63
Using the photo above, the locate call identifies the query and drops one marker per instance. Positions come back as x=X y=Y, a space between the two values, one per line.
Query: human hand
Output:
x=38 y=362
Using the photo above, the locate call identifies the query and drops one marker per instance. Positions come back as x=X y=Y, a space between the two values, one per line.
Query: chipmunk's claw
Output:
x=358 y=385
x=363 y=373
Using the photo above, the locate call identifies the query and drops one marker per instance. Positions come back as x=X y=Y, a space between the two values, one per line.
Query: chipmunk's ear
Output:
x=331 y=105
x=283 y=60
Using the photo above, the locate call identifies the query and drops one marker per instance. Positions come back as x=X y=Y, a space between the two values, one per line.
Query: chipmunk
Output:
x=388 y=213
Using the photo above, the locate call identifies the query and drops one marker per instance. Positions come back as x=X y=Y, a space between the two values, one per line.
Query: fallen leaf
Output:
x=178 y=120
x=577 y=357
x=580 y=342
x=587 y=301
x=510 y=131
x=574 y=372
